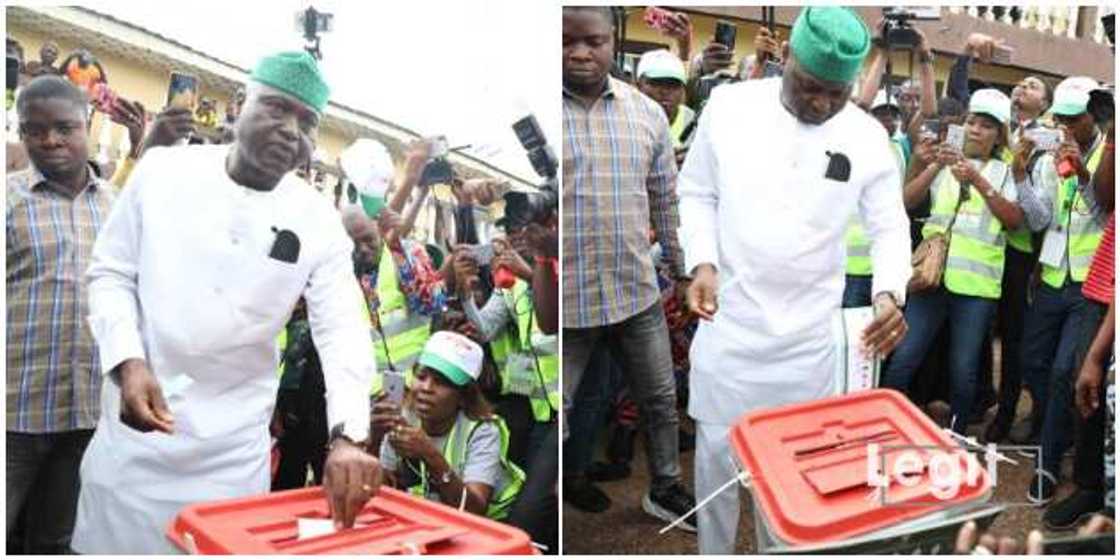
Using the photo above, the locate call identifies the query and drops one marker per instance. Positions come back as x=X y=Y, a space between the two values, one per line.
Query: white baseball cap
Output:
x=991 y=102
x=661 y=64
x=368 y=165
x=1071 y=97
x=881 y=101
x=455 y=356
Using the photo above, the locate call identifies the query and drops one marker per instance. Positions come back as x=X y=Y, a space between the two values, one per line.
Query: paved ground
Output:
x=626 y=529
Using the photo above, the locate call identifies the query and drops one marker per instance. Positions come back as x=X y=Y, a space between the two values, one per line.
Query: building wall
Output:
x=1055 y=62
x=145 y=84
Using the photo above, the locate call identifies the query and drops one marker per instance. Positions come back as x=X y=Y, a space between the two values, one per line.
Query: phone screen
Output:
x=394 y=386
x=182 y=91
x=725 y=34
x=955 y=136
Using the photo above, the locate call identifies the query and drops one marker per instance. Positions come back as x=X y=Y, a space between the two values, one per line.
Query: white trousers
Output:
x=714 y=466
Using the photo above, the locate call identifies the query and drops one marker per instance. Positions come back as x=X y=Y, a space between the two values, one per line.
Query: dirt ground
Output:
x=626 y=529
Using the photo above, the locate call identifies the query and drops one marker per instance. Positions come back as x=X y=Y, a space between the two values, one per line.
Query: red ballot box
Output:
x=819 y=471
x=393 y=522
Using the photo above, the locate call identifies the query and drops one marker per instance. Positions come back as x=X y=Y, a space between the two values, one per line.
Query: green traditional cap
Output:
x=295 y=73
x=455 y=356
x=830 y=43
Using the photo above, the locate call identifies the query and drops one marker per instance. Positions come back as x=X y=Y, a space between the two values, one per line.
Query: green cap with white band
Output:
x=455 y=356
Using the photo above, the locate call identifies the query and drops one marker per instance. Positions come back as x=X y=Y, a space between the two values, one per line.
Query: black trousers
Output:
x=303 y=413
x=1088 y=459
x=1011 y=316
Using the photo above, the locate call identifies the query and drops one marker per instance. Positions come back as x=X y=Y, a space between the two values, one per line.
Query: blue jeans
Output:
x=640 y=345
x=857 y=291
x=1049 y=349
x=589 y=410
x=971 y=318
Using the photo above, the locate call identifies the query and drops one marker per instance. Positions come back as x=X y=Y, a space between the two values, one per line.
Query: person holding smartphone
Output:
x=444 y=442
x=975 y=203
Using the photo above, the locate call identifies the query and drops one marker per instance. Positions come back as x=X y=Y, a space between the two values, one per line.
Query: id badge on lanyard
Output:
x=1054 y=246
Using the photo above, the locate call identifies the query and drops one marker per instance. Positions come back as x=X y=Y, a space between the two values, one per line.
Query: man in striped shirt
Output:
x=619 y=172
x=54 y=210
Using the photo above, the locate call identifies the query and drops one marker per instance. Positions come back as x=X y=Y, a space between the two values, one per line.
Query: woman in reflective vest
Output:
x=974 y=201
x=447 y=444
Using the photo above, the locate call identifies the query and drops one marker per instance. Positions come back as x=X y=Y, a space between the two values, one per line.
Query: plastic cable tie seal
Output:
x=970 y=444
x=539 y=546
x=731 y=482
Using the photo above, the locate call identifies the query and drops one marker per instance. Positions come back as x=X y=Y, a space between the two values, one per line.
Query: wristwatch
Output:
x=339 y=431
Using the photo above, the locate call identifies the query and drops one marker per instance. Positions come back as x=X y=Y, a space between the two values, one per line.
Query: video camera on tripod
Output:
x=523 y=208
x=898 y=33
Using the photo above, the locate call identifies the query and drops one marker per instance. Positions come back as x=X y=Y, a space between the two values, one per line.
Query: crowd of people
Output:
x=718 y=214
x=196 y=322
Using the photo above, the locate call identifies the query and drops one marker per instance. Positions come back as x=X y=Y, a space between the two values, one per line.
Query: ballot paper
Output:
x=856 y=369
x=309 y=528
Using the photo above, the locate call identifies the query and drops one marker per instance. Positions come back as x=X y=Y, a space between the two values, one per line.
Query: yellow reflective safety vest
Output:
x=402 y=334
x=455 y=452
x=1073 y=215
x=974 y=266
x=527 y=367
x=1019 y=239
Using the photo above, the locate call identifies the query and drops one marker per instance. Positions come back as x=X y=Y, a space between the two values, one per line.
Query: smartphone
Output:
x=1088 y=544
x=955 y=136
x=931 y=128
x=771 y=69
x=182 y=91
x=394 y=386
x=1044 y=139
x=725 y=34
x=482 y=253
x=1002 y=54
x=657 y=18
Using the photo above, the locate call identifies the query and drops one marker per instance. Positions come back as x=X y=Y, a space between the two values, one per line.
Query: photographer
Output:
x=526 y=357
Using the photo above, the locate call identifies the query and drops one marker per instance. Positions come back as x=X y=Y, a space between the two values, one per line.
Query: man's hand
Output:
x=142 y=405
x=702 y=292
x=981 y=46
x=1087 y=390
x=1071 y=150
x=130 y=114
x=888 y=328
x=544 y=240
x=416 y=155
x=716 y=57
x=513 y=261
x=465 y=270
x=679 y=27
x=412 y=443
x=970 y=541
x=171 y=125
x=350 y=478
x=766 y=43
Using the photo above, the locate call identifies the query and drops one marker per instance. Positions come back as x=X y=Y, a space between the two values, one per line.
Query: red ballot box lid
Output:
x=809 y=466
x=393 y=522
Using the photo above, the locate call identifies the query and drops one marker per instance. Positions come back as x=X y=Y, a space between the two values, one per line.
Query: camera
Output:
x=523 y=208
x=897 y=30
